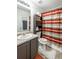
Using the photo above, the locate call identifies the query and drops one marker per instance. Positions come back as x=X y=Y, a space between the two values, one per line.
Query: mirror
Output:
x=23 y=19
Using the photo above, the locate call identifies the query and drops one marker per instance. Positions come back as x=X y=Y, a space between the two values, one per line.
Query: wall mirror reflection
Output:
x=23 y=19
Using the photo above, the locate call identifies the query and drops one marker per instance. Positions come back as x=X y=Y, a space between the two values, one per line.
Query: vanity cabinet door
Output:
x=28 y=53
x=34 y=47
x=27 y=50
x=21 y=51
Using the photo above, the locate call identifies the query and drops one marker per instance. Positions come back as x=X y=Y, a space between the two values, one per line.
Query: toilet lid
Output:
x=43 y=40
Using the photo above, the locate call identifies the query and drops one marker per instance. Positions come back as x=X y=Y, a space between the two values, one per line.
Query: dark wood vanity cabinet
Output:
x=22 y=52
x=34 y=48
x=28 y=49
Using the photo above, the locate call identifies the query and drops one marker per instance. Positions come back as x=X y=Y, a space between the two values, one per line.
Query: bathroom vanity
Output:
x=27 y=43
x=27 y=47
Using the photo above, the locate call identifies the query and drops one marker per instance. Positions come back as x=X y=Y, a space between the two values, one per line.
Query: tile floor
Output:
x=38 y=56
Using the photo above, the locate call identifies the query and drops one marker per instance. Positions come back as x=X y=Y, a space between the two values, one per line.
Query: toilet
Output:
x=41 y=40
x=42 y=43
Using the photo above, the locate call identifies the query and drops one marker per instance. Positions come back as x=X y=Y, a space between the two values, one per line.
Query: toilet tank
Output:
x=39 y=34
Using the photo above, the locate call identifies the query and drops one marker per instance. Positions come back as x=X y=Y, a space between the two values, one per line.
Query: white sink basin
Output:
x=26 y=36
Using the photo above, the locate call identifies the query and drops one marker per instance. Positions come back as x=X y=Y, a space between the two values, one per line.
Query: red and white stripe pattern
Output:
x=52 y=12
x=52 y=21
x=52 y=39
x=55 y=35
x=59 y=31
x=52 y=25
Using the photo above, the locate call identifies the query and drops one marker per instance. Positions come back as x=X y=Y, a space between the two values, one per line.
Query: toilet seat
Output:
x=42 y=40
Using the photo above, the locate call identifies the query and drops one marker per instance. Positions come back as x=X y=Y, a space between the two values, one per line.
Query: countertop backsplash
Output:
x=23 y=32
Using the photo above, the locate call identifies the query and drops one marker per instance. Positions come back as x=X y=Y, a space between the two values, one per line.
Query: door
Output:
x=34 y=47
x=21 y=51
x=28 y=53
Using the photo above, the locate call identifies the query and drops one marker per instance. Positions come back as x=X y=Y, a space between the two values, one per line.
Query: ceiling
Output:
x=47 y=4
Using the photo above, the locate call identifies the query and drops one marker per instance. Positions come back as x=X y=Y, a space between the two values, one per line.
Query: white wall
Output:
x=34 y=10
x=22 y=14
x=44 y=10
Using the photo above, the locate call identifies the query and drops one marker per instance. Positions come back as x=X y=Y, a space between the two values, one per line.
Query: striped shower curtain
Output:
x=52 y=25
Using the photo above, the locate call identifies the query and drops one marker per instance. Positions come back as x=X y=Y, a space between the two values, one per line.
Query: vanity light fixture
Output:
x=40 y=1
x=23 y=2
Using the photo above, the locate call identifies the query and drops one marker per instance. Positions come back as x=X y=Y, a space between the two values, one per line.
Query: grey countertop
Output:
x=21 y=41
